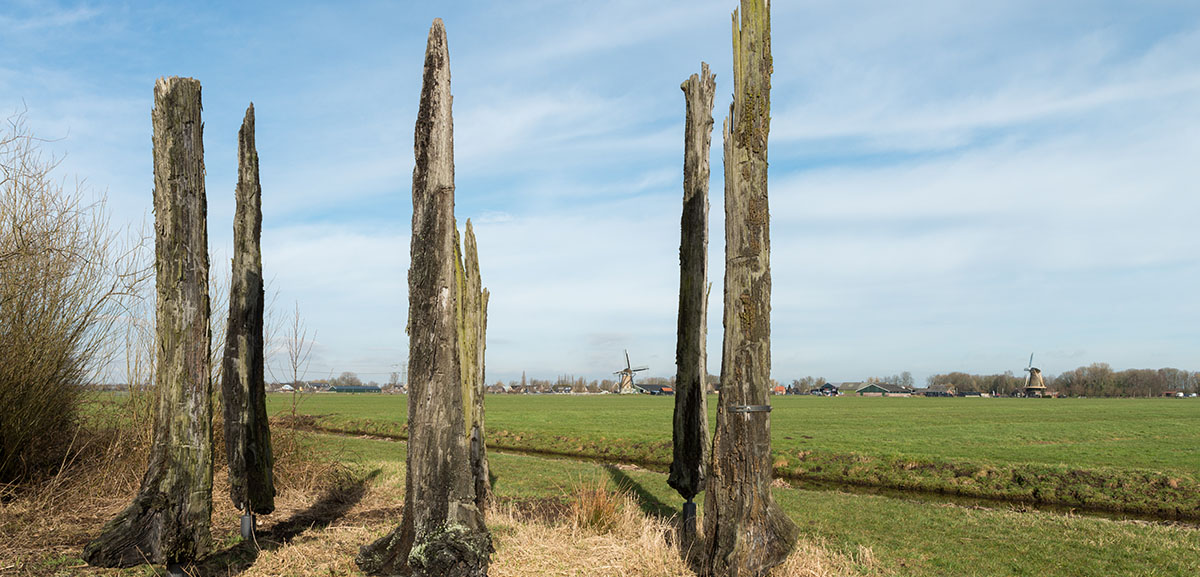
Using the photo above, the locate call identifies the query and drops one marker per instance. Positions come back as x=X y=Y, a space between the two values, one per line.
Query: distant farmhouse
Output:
x=355 y=389
x=883 y=390
x=655 y=389
x=939 y=391
x=827 y=390
x=849 y=388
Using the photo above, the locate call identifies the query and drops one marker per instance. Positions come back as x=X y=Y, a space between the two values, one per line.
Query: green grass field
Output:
x=1135 y=456
x=903 y=537
x=1152 y=434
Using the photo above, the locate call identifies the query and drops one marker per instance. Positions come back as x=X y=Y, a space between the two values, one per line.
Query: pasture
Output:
x=341 y=490
x=1151 y=434
x=868 y=534
x=1136 y=456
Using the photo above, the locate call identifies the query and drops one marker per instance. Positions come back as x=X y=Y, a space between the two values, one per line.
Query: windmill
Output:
x=626 y=375
x=1034 y=385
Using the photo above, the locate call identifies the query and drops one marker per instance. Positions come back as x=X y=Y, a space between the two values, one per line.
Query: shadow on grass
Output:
x=647 y=502
x=688 y=546
x=333 y=504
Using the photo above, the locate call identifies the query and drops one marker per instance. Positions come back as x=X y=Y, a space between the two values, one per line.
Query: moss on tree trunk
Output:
x=472 y=339
x=168 y=521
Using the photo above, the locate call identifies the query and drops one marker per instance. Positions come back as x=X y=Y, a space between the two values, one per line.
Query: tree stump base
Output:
x=135 y=537
x=452 y=551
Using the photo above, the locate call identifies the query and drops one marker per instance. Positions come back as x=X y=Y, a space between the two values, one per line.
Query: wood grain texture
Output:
x=473 y=339
x=745 y=530
x=442 y=531
x=690 y=431
x=247 y=431
x=169 y=519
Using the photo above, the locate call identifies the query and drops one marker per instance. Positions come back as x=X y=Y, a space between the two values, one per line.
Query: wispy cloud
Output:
x=42 y=16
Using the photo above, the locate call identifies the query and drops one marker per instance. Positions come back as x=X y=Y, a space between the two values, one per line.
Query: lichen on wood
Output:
x=473 y=343
x=247 y=432
x=169 y=519
x=745 y=530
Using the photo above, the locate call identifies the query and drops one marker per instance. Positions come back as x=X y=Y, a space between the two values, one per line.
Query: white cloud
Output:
x=43 y=18
x=952 y=184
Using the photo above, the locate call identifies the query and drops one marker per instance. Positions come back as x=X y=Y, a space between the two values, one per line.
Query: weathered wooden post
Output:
x=472 y=344
x=169 y=519
x=745 y=530
x=247 y=432
x=690 y=432
x=442 y=531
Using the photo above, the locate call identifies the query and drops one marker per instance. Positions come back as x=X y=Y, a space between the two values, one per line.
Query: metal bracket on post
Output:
x=689 y=519
x=749 y=408
x=247 y=526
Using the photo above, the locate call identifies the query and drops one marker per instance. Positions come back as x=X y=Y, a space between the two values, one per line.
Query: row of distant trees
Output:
x=577 y=384
x=806 y=384
x=1095 y=380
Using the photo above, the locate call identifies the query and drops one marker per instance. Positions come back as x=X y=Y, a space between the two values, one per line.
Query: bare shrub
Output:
x=64 y=280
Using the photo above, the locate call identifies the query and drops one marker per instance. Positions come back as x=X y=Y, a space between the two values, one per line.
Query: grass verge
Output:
x=542 y=425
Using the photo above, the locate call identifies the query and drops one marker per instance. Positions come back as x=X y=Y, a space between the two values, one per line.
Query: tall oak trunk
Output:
x=247 y=432
x=746 y=531
x=442 y=531
x=168 y=521
x=690 y=431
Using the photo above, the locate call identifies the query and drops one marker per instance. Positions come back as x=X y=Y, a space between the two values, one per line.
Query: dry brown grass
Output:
x=595 y=507
x=811 y=559
x=628 y=543
x=50 y=519
x=43 y=528
x=326 y=512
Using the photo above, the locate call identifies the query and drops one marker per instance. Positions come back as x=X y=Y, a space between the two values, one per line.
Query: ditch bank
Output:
x=1103 y=492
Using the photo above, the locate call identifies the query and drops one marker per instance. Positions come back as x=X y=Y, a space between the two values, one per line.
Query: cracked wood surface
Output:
x=169 y=519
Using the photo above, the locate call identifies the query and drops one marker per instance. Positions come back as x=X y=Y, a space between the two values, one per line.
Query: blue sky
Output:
x=953 y=184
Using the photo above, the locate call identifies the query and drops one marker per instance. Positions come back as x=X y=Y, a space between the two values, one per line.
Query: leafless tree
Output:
x=66 y=279
x=298 y=346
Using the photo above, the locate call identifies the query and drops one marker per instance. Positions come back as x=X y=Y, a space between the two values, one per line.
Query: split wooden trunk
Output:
x=745 y=530
x=472 y=339
x=442 y=530
x=690 y=431
x=247 y=432
x=169 y=519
